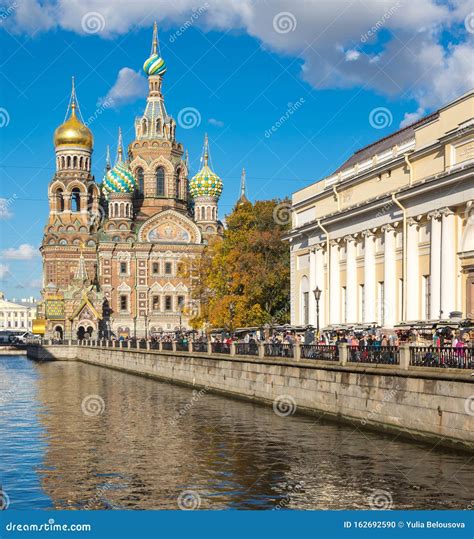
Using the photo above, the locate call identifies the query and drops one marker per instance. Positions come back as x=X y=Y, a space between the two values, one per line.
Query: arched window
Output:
x=178 y=183
x=81 y=163
x=158 y=126
x=160 y=182
x=76 y=200
x=59 y=200
x=144 y=127
x=63 y=162
x=140 y=180
x=68 y=161
x=203 y=213
x=90 y=198
x=74 y=162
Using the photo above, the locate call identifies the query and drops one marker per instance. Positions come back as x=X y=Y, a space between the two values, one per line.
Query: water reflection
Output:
x=154 y=441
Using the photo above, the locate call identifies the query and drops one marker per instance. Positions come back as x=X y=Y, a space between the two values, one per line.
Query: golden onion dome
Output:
x=73 y=132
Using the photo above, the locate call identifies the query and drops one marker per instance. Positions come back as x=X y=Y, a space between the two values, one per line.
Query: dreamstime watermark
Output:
x=469 y=405
x=284 y=22
x=96 y=215
x=380 y=117
x=196 y=13
x=197 y=395
x=93 y=405
x=284 y=405
x=93 y=502
x=469 y=22
x=386 y=398
x=292 y=108
x=380 y=23
x=286 y=500
x=4 y=117
x=7 y=11
x=93 y=22
x=380 y=500
x=4 y=500
x=104 y=105
x=189 y=117
x=282 y=213
x=189 y=500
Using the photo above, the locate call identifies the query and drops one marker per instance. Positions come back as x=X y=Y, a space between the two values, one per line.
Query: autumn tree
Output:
x=243 y=279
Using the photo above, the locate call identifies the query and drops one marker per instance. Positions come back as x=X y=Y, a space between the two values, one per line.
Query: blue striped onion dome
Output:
x=155 y=65
x=206 y=184
x=118 y=180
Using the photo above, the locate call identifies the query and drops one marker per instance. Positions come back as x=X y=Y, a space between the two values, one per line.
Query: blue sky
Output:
x=239 y=71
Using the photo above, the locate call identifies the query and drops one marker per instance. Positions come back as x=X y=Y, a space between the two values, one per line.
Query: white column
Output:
x=413 y=272
x=312 y=286
x=351 y=279
x=389 y=277
x=321 y=284
x=448 y=263
x=369 y=277
x=435 y=264
x=335 y=284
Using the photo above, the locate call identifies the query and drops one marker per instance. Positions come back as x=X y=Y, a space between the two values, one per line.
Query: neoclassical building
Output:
x=113 y=252
x=389 y=237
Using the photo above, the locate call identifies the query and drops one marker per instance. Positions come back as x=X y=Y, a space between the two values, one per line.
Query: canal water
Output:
x=75 y=436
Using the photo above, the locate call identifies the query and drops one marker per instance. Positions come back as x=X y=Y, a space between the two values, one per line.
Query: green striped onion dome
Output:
x=206 y=184
x=118 y=180
x=155 y=65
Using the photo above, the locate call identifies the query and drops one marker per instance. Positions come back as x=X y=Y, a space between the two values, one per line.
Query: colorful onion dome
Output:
x=73 y=132
x=118 y=180
x=155 y=65
x=206 y=183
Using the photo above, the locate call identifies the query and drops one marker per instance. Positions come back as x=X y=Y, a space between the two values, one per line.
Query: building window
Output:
x=123 y=268
x=155 y=303
x=155 y=268
x=140 y=180
x=180 y=303
x=160 y=182
x=361 y=303
x=168 y=303
x=76 y=200
x=168 y=268
x=381 y=305
x=178 y=183
x=305 y=308
x=123 y=303
x=427 y=297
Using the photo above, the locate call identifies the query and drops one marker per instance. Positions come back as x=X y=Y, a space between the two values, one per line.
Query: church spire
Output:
x=119 y=146
x=243 y=198
x=206 y=150
x=80 y=274
x=107 y=159
x=155 y=47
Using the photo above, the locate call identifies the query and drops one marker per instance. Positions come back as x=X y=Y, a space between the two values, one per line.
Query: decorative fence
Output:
x=382 y=355
x=200 y=346
x=220 y=348
x=326 y=352
x=167 y=345
x=182 y=346
x=447 y=357
x=278 y=350
x=246 y=348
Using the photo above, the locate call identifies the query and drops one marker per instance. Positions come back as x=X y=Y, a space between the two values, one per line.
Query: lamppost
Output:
x=146 y=326
x=134 y=327
x=317 y=297
x=180 y=311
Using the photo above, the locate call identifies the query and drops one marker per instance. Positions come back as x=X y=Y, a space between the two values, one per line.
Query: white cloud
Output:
x=5 y=212
x=411 y=117
x=352 y=55
x=215 y=122
x=4 y=271
x=128 y=87
x=24 y=252
x=402 y=47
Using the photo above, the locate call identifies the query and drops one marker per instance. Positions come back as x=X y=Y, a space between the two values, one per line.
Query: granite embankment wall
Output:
x=432 y=405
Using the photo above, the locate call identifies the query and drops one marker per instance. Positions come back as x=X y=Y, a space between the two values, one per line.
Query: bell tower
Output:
x=156 y=158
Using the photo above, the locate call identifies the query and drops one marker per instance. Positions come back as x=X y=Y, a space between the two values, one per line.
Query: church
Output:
x=113 y=252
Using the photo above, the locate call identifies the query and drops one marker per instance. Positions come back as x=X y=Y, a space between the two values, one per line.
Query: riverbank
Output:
x=430 y=405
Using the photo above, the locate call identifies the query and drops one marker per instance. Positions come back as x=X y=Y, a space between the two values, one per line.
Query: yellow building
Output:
x=389 y=237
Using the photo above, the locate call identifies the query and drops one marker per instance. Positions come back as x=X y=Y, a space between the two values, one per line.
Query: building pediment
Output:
x=169 y=226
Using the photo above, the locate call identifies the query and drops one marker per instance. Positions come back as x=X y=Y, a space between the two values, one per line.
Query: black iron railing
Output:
x=154 y=345
x=326 y=352
x=381 y=355
x=220 y=348
x=246 y=348
x=182 y=346
x=142 y=344
x=278 y=350
x=200 y=347
x=167 y=345
x=447 y=357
